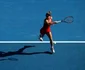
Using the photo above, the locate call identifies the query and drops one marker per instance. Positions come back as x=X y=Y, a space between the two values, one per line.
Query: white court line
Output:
x=42 y=42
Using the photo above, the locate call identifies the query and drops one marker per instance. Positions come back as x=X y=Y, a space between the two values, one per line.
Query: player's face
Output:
x=49 y=17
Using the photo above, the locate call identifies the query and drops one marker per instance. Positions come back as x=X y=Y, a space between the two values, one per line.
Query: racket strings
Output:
x=68 y=19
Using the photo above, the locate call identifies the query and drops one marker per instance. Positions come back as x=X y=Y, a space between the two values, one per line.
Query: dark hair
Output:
x=48 y=14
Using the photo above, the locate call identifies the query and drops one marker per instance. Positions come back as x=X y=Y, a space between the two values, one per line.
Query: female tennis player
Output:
x=46 y=29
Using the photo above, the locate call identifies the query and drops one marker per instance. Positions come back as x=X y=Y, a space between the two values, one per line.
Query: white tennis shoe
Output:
x=40 y=38
x=52 y=49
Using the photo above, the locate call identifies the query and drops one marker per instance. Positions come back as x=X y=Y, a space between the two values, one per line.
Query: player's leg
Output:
x=42 y=33
x=49 y=34
x=41 y=37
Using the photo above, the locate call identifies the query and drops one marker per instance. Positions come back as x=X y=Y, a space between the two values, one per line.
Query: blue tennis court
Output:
x=21 y=20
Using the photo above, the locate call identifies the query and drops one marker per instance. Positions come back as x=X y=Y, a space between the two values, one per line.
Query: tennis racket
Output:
x=68 y=19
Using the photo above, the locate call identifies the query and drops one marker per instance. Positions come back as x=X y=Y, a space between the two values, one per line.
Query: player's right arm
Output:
x=50 y=22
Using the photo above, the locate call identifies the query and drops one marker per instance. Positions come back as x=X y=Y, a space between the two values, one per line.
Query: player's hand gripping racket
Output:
x=68 y=19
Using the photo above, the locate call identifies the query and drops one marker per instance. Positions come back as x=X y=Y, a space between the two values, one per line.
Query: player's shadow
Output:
x=20 y=52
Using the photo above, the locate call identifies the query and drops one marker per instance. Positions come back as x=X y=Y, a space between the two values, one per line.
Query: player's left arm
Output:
x=55 y=22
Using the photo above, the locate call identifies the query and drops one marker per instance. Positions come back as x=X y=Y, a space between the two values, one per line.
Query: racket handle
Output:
x=62 y=20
